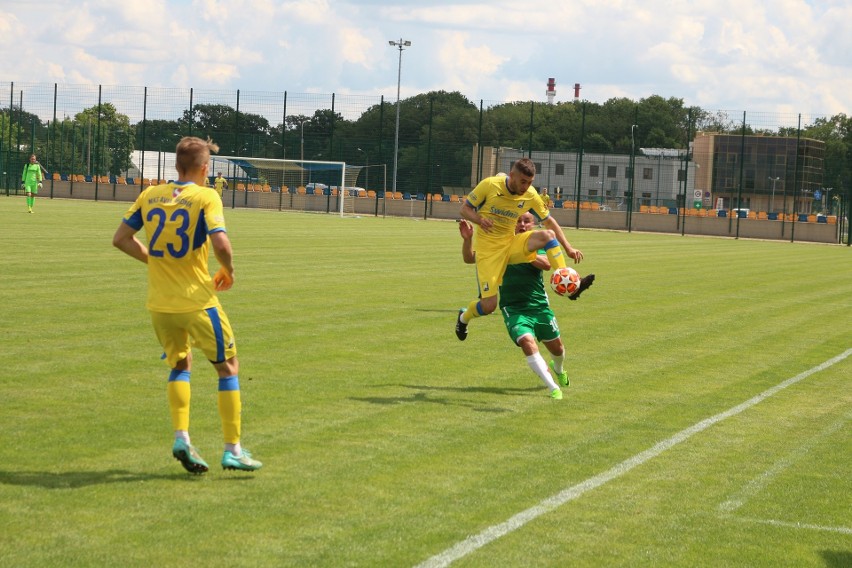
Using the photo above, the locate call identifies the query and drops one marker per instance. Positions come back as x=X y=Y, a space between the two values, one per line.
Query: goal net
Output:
x=289 y=178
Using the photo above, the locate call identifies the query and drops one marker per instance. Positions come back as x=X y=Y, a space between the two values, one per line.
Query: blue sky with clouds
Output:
x=784 y=56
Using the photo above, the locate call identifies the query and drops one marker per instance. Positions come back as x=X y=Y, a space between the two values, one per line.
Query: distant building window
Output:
x=560 y=169
x=681 y=175
x=611 y=171
x=647 y=173
x=537 y=166
x=594 y=171
x=593 y=193
x=627 y=172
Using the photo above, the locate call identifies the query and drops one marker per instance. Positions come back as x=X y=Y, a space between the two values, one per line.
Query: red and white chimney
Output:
x=551 y=90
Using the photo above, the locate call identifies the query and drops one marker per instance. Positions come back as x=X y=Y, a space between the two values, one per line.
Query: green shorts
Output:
x=541 y=325
x=31 y=188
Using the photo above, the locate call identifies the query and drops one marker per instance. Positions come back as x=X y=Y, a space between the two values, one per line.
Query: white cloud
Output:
x=718 y=54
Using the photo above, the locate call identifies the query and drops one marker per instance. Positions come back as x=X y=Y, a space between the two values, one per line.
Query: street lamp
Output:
x=772 y=200
x=400 y=44
x=632 y=181
x=366 y=168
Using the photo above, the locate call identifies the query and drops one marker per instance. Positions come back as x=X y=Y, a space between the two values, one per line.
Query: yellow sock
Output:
x=473 y=311
x=555 y=254
x=230 y=408
x=179 y=394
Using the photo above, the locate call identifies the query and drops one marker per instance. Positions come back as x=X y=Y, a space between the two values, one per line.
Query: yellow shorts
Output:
x=208 y=329
x=491 y=265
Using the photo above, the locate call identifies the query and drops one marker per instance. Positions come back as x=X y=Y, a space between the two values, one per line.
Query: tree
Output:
x=108 y=140
x=242 y=134
x=159 y=135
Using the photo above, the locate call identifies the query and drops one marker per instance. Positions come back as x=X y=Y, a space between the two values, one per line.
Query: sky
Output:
x=773 y=56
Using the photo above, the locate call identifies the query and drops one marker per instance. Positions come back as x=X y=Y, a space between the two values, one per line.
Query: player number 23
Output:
x=180 y=216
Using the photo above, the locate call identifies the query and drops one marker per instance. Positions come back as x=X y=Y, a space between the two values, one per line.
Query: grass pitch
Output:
x=387 y=442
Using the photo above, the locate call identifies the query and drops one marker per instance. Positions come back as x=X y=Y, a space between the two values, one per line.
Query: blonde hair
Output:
x=193 y=153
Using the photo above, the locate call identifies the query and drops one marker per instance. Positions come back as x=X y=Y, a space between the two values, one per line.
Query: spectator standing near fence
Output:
x=31 y=178
x=220 y=184
x=182 y=219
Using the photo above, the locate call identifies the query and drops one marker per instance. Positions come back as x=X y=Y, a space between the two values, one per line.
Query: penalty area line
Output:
x=492 y=533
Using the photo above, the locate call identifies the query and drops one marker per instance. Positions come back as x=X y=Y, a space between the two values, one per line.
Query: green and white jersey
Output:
x=522 y=290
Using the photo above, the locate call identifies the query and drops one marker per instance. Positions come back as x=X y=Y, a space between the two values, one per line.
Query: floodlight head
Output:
x=391 y=42
x=406 y=43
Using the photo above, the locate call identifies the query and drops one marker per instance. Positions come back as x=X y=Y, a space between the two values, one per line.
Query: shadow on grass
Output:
x=424 y=396
x=77 y=479
x=837 y=558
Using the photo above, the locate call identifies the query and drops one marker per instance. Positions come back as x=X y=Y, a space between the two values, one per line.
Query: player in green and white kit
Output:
x=32 y=178
x=526 y=308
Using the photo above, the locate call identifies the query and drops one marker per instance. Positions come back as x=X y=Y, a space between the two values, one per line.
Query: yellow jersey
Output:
x=177 y=218
x=219 y=183
x=492 y=199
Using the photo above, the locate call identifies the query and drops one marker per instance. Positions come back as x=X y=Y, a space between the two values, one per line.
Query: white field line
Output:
x=757 y=484
x=841 y=530
x=492 y=533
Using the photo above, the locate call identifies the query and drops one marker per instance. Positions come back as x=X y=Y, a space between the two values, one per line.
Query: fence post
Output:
x=579 y=180
x=797 y=182
x=740 y=184
x=428 y=162
x=849 y=216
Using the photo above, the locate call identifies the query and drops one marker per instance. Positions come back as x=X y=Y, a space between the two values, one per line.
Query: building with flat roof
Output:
x=663 y=176
x=760 y=173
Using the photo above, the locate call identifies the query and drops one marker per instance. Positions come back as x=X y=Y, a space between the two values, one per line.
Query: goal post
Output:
x=285 y=176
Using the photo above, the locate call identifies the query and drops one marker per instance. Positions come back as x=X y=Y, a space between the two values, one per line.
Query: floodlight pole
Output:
x=631 y=183
x=772 y=202
x=400 y=44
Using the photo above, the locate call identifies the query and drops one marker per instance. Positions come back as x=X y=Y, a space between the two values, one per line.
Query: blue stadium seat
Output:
x=406 y=195
x=446 y=197
x=421 y=196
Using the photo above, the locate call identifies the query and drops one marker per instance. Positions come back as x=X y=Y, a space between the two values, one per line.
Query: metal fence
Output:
x=621 y=157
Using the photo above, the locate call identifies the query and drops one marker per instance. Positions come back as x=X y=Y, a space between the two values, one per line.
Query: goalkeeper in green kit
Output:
x=31 y=179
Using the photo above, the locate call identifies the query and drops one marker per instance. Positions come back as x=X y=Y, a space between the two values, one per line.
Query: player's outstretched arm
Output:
x=553 y=225
x=125 y=240
x=224 y=277
x=466 y=232
x=471 y=214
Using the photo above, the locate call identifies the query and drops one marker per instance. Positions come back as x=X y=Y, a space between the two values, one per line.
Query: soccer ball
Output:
x=565 y=281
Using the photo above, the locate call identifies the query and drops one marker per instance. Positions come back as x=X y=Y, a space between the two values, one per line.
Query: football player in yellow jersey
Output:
x=220 y=184
x=181 y=220
x=494 y=206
